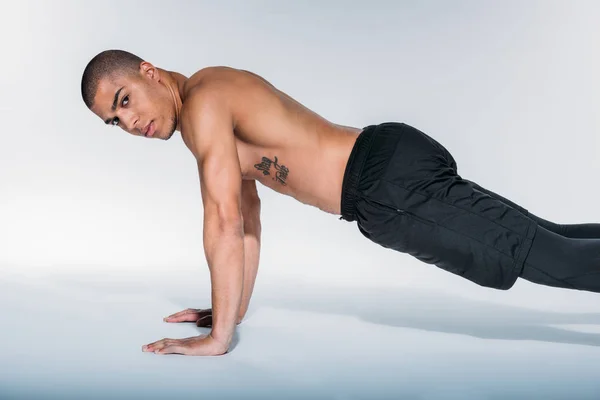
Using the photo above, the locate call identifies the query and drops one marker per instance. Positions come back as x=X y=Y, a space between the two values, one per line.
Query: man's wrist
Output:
x=223 y=338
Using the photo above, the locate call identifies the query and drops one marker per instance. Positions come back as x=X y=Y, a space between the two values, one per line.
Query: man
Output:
x=399 y=184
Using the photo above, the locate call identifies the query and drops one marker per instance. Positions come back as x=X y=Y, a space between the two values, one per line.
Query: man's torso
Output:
x=280 y=143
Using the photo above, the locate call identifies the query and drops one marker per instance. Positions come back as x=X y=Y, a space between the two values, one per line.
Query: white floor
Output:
x=76 y=336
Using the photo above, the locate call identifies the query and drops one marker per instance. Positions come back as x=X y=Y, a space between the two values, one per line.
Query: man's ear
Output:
x=149 y=71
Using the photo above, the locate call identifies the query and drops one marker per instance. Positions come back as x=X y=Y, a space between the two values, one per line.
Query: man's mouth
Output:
x=149 y=129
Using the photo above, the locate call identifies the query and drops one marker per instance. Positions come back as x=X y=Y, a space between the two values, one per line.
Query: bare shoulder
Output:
x=211 y=96
x=212 y=87
x=221 y=77
x=205 y=113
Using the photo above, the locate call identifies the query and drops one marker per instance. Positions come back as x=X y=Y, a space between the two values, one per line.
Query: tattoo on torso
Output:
x=281 y=170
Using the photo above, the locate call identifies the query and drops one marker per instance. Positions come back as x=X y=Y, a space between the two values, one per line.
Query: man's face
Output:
x=138 y=103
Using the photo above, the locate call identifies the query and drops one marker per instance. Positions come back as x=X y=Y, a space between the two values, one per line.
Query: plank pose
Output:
x=400 y=185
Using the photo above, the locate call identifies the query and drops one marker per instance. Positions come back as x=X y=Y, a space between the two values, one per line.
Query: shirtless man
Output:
x=399 y=184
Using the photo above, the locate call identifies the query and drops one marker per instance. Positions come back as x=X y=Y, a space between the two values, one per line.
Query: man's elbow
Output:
x=230 y=219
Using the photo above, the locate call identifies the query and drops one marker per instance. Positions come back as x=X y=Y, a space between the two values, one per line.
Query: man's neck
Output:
x=175 y=83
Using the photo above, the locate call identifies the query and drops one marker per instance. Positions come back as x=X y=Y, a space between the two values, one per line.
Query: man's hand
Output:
x=203 y=345
x=202 y=317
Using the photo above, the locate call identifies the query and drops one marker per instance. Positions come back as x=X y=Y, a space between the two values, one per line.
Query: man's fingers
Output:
x=202 y=345
x=186 y=311
x=191 y=317
x=158 y=345
x=188 y=315
x=172 y=349
x=167 y=346
x=204 y=321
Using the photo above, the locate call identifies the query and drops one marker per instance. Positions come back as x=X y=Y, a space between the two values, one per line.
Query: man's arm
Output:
x=209 y=124
x=252 y=229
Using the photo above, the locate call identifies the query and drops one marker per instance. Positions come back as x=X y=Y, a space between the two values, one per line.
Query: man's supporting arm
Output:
x=252 y=230
x=210 y=126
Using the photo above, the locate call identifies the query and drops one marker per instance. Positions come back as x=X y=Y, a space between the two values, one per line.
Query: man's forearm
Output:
x=252 y=230
x=224 y=250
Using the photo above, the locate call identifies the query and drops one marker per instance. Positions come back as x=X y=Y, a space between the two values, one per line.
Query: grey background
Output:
x=101 y=233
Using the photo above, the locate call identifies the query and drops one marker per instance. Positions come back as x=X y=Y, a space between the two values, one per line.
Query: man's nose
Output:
x=129 y=119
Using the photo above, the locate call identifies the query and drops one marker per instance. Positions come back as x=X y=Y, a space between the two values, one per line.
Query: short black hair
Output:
x=107 y=62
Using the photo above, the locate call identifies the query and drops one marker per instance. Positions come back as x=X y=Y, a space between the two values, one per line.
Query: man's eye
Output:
x=115 y=121
x=125 y=101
